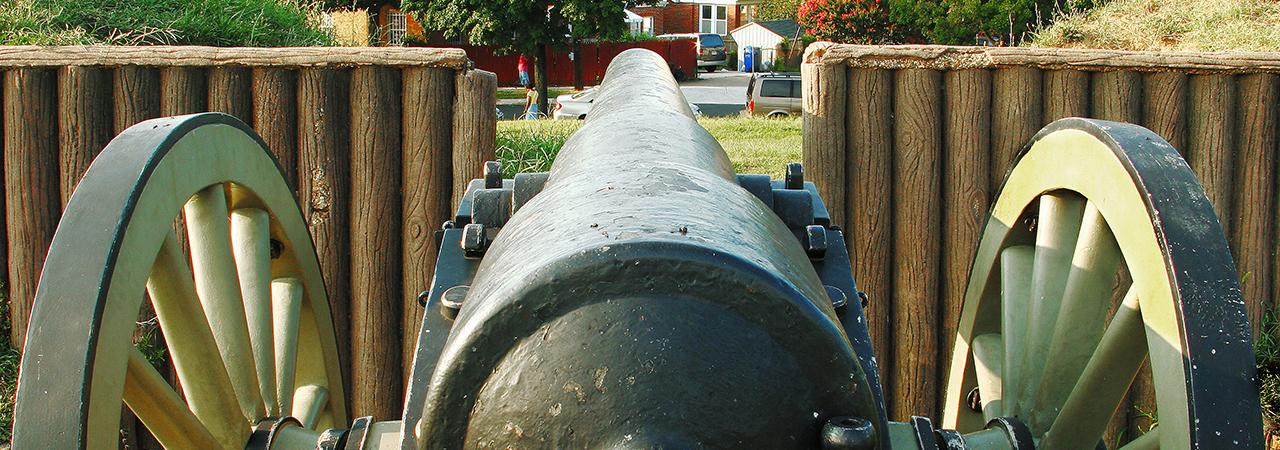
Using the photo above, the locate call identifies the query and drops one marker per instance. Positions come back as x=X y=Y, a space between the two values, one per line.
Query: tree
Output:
x=777 y=9
x=523 y=26
x=847 y=21
x=957 y=21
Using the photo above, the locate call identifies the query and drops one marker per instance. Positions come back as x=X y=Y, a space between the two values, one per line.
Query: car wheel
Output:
x=777 y=115
x=582 y=117
x=712 y=69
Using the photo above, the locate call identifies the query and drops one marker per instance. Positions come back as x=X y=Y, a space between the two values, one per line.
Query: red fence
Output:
x=680 y=54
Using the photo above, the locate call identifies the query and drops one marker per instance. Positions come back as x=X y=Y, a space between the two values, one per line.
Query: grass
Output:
x=252 y=23
x=1266 y=347
x=518 y=93
x=755 y=145
x=1190 y=25
x=8 y=371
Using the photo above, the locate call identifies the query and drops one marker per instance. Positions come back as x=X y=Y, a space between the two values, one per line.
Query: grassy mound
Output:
x=223 y=23
x=1190 y=25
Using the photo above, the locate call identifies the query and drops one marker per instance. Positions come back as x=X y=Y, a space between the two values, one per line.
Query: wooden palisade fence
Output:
x=379 y=143
x=910 y=144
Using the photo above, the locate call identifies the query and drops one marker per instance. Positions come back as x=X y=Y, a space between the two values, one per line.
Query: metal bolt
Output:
x=838 y=300
x=451 y=300
x=974 y=400
x=795 y=176
x=848 y=433
x=815 y=242
x=473 y=239
x=448 y=225
x=863 y=297
x=277 y=249
x=423 y=297
x=492 y=175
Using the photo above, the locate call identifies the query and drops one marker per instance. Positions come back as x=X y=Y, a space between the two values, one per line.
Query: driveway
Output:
x=718 y=94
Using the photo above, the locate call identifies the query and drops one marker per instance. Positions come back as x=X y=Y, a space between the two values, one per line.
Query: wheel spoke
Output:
x=308 y=402
x=1104 y=382
x=251 y=244
x=1085 y=302
x=988 y=362
x=200 y=370
x=286 y=305
x=218 y=286
x=1057 y=228
x=162 y=411
x=1148 y=441
x=1015 y=286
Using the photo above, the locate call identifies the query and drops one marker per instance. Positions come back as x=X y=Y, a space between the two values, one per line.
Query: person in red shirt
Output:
x=522 y=65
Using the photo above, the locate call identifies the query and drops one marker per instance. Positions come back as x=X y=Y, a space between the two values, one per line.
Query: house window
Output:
x=396 y=28
x=713 y=19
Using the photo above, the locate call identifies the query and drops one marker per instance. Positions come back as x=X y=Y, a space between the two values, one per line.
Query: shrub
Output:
x=847 y=21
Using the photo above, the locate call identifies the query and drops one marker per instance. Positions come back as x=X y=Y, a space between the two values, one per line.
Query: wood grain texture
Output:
x=823 y=134
x=965 y=193
x=85 y=122
x=1164 y=106
x=474 y=127
x=918 y=199
x=1066 y=94
x=182 y=91
x=1015 y=117
x=275 y=116
x=230 y=91
x=425 y=165
x=376 y=384
x=1117 y=96
x=324 y=160
x=32 y=200
x=199 y=56
x=137 y=95
x=869 y=137
x=1253 y=213
x=1211 y=129
x=943 y=57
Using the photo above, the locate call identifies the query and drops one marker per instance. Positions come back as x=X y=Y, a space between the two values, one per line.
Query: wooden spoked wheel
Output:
x=1040 y=336
x=245 y=317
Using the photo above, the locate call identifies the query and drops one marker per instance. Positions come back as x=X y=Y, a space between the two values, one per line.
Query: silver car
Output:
x=576 y=106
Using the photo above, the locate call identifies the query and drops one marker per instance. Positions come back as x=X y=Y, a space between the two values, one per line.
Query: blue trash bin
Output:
x=748 y=59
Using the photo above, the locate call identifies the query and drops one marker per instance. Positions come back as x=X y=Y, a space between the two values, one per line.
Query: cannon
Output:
x=640 y=294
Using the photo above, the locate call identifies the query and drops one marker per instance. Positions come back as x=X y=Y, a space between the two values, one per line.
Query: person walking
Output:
x=530 y=102
x=522 y=65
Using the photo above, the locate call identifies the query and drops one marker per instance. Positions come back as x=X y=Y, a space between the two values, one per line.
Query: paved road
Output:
x=718 y=94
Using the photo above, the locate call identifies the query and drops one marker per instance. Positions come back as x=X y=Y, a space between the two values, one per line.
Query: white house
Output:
x=767 y=36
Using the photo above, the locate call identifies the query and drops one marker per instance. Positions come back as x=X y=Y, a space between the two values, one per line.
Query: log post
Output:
x=475 y=127
x=1117 y=96
x=1211 y=128
x=32 y=200
x=1164 y=106
x=85 y=121
x=136 y=91
x=425 y=165
x=1015 y=118
x=324 y=161
x=917 y=192
x=275 y=116
x=182 y=91
x=376 y=385
x=823 y=142
x=230 y=91
x=1254 y=204
x=1066 y=94
x=869 y=136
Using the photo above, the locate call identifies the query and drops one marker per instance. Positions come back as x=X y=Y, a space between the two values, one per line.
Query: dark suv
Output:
x=711 y=53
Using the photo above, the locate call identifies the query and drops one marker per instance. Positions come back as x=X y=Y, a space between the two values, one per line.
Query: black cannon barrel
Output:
x=642 y=299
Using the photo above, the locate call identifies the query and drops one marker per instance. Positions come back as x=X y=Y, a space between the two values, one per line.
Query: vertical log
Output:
x=85 y=123
x=230 y=91
x=1165 y=106
x=32 y=204
x=1252 y=236
x=324 y=160
x=965 y=191
x=869 y=135
x=917 y=191
x=475 y=126
x=1015 y=118
x=182 y=91
x=136 y=91
x=425 y=165
x=1211 y=128
x=1066 y=94
x=823 y=143
x=1117 y=96
x=275 y=116
x=376 y=385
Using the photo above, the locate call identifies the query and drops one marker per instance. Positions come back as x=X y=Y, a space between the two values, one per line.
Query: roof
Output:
x=786 y=28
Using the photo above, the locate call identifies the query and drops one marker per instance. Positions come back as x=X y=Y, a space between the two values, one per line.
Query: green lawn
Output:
x=755 y=145
x=518 y=93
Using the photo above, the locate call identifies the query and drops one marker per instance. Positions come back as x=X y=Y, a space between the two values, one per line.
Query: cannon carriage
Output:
x=640 y=294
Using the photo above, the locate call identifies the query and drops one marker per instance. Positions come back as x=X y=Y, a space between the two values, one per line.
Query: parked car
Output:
x=711 y=51
x=774 y=95
x=576 y=106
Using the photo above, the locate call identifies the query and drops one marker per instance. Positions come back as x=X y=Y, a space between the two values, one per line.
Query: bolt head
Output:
x=848 y=433
x=473 y=239
x=815 y=241
x=794 y=178
x=492 y=175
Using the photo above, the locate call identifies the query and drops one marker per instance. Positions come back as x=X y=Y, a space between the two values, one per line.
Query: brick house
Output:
x=696 y=16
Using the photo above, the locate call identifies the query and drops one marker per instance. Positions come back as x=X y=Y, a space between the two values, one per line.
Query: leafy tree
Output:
x=957 y=21
x=524 y=26
x=357 y=4
x=777 y=9
x=848 y=21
